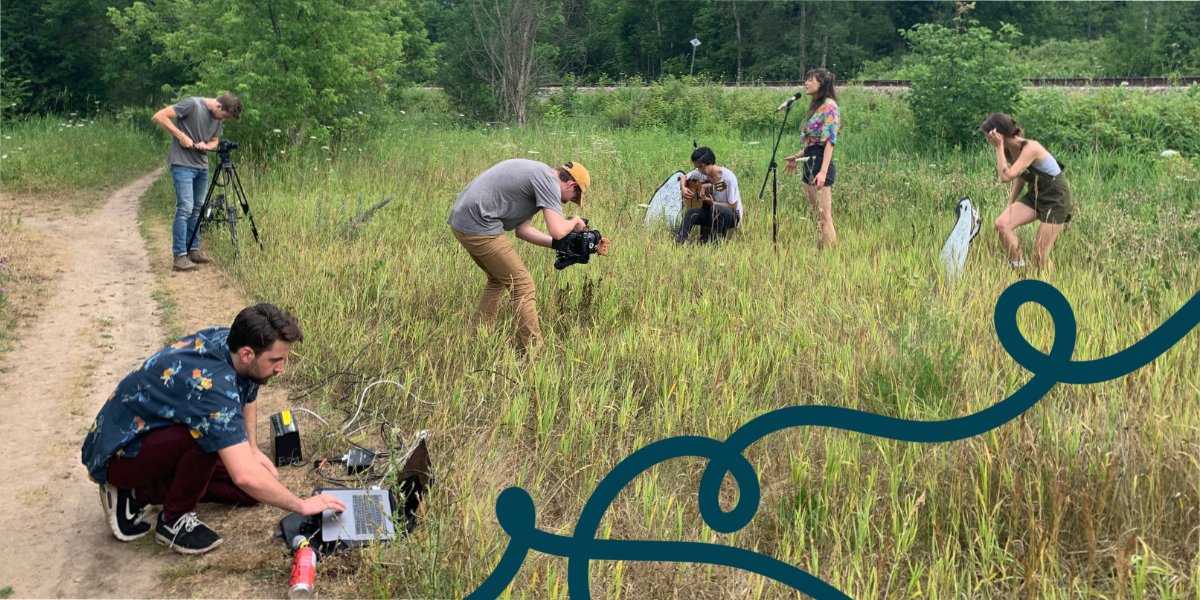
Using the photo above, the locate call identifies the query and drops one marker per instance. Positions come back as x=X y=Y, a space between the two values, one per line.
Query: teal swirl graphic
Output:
x=516 y=512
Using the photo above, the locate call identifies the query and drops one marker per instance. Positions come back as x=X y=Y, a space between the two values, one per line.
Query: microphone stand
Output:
x=771 y=174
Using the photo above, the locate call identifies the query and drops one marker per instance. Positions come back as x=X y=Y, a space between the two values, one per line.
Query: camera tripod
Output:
x=221 y=208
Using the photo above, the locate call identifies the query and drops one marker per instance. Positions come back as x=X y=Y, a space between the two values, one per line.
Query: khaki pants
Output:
x=498 y=259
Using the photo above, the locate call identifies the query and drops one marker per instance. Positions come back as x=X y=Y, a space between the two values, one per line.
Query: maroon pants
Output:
x=172 y=470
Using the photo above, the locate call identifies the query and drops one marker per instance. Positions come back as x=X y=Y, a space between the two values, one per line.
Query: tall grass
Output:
x=1091 y=494
x=76 y=159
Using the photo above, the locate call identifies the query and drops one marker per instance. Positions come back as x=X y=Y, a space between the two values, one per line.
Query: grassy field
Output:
x=49 y=169
x=74 y=162
x=1091 y=494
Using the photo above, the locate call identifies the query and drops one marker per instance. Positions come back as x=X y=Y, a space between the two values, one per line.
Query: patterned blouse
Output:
x=824 y=125
x=190 y=383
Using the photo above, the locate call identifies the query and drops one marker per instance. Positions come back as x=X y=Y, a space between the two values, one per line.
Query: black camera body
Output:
x=576 y=247
x=226 y=146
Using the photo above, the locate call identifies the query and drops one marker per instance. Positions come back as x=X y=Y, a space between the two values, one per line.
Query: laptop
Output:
x=367 y=518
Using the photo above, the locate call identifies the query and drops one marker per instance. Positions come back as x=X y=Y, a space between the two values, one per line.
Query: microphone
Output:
x=788 y=102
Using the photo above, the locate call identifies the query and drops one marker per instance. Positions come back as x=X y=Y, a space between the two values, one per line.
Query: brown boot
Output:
x=198 y=258
x=183 y=263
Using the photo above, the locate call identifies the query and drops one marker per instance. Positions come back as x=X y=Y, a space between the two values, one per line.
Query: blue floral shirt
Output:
x=192 y=382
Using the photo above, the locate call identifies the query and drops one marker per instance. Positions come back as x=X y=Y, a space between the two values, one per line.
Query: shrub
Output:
x=964 y=77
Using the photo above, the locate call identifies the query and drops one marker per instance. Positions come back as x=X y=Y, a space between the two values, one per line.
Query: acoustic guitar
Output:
x=703 y=193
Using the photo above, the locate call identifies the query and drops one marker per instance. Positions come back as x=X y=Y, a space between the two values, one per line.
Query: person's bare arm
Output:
x=209 y=146
x=163 y=119
x=685 y=190
x=527 y=232
x=250 y=417
x=560 y=226
x=254 y=479
x=1023 y=161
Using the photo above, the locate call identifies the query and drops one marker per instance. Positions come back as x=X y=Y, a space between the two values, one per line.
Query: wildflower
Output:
x=462 y=115
x=533 y=152
x=281 y=152
x=5 y=156
x=324 y=147
x=3 y=288
x=403 y=113
x=436 y=124
x=276 y=131
x=1168 y=153
x=360 y=112
x=312 y=137
x=3 y=267
x=754 y=143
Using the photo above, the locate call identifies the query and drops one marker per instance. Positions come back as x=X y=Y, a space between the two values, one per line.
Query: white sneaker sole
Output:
x=110 y=512
x=165 y=541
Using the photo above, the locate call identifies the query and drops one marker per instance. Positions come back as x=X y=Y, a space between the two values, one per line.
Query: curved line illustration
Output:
x=517 y=514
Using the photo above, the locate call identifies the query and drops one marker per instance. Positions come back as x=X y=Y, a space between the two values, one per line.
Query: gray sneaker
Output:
x=183 y=263
x=197 y=257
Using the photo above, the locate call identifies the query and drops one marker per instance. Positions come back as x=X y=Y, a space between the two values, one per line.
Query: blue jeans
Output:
x=190 y=187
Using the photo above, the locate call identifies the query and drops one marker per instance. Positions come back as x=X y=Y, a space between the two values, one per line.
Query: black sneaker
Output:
x=124 y=513
x=186 y=534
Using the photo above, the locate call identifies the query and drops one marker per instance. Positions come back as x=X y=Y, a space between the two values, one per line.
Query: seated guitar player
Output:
x=711 y=197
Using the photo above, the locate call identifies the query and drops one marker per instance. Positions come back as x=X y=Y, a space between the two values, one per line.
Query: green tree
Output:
x=302 y=67
x=965 y=76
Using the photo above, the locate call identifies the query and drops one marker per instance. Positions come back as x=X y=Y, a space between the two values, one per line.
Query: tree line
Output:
x=311 y=65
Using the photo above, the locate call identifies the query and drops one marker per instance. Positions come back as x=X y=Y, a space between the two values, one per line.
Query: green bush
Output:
x=965 y=76
x=1113 y=118
x=1062 y=59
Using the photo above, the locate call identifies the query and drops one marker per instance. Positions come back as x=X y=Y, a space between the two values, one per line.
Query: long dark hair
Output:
x=1005 y=126
x=826 y=80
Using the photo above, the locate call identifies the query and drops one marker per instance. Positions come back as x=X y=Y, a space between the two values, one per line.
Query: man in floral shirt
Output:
x=180 y=430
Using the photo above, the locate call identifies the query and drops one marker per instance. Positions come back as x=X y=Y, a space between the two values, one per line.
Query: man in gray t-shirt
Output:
x=505 y=198
x=196 y=130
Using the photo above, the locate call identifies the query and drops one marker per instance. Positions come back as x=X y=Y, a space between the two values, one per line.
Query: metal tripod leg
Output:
x=237 y=186
x=207 y=203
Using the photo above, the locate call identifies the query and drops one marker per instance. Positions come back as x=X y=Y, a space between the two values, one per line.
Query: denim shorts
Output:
x=812 y=166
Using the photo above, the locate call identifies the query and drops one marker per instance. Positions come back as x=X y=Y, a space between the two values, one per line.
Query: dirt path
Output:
x=101 y=322
x=97 y=326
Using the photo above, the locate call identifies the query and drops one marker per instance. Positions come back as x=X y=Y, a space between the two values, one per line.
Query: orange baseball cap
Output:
x=581 y=177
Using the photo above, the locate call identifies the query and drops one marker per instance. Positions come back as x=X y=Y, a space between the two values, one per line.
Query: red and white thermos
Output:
x=304 y=573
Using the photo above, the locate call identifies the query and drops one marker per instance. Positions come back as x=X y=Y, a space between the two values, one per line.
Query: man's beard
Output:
x=260 y=381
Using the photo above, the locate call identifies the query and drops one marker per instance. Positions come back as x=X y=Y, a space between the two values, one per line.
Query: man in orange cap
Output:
x=505 y=198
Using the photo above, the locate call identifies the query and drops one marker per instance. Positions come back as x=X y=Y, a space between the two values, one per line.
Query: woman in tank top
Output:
x=1047 y=196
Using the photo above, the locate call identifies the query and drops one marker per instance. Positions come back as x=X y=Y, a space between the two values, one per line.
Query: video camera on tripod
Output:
x=224 y=147
x=222 y=208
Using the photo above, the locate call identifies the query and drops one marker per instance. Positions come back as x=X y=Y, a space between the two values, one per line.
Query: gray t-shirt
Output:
x=505 y=196
x=196 y=122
